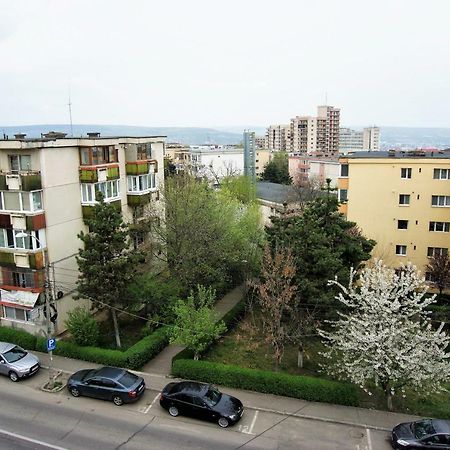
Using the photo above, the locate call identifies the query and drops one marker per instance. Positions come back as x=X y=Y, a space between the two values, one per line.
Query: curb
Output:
x=268 y=410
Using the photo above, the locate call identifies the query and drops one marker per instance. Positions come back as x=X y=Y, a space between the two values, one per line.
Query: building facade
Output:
x=47 y=189
x=250 y=154
x=279 y=138
x=353 y=141
x=314 y=168
x=401 y=200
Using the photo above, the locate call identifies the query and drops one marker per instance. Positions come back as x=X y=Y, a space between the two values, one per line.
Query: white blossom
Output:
x=386 y=337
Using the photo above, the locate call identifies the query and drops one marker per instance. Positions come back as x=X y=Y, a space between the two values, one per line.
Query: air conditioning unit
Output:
x=13 y=182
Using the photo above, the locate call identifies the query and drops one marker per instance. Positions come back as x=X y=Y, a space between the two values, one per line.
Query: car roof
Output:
x=112 y=373
x=5 y=346
x=190 y=387
x=441 y=426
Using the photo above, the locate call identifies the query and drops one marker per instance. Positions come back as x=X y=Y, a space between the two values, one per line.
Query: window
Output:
x=436 y=251
x=144 y=151
x=400 y=250
x=21 y=201
x=440 y=226
x=16 y=314
x=109 y=189
x=98 y=155
x=402 y=224
x=405 y=172
x=141 y=183
x=19 y=163
x=440 y=200
x=441 y=174
x=343 y=195
x=344 y=170
x=403 y=199
x=11 y=239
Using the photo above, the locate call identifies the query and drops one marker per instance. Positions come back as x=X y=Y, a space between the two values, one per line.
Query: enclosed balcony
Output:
x=20 y=181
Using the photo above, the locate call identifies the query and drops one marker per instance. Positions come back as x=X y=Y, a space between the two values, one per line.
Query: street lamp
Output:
x=22 y=234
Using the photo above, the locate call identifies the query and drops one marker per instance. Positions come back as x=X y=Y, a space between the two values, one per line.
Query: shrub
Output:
x=18 y=337
x=148 y=347
x=307 y=388
x=82 y=326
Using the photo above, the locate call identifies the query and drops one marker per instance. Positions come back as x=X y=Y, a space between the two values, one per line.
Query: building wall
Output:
x=373 y=188
x=263 y=157
x=212 y=164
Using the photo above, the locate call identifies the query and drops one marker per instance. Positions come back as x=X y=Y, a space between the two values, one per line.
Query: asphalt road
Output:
x=59 y=421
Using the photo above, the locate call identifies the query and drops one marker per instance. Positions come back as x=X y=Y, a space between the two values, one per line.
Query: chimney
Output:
x=20 y=135
x=93 y=135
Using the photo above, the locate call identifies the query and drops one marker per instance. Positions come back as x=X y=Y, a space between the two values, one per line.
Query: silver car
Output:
x=16 y=363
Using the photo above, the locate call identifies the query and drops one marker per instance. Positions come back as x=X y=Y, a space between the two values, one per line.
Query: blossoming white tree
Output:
x=386 y=337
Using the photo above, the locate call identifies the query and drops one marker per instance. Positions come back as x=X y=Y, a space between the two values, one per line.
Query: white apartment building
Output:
x=279 y=138
x=314 y=168
x=352 y=141
x=47 y=189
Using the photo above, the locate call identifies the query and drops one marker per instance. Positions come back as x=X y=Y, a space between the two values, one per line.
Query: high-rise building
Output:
x=352 y=141
x=250 y=154
x=371 y=138
x=279 y=138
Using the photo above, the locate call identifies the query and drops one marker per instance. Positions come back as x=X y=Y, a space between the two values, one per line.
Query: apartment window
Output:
x=98 y=155
x=21 y=201
x=144 y=151
x=440 y=226
x=343 y=195
x=141 y=183
x=440 y=200
x=109 y=189
x=344 y=170
x=400 y=250
x=403 y=199
x=16 y=314
x=9 y=239
x=441 y=174
x=405 y=172
x=436 y=251
x=18 y=163
x=402 y=224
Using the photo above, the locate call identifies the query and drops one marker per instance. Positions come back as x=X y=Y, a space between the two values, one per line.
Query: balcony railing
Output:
x=20 y=181
x=94 y=174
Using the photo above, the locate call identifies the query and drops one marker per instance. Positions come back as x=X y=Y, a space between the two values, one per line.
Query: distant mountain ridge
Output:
x=391 y=137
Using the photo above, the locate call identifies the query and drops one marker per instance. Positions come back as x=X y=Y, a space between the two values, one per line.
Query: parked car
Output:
x=107 y=383
x=428 y=433
x=17 y=363
x=202 y=401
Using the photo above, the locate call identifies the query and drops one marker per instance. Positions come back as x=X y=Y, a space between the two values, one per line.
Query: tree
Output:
x=439 y=270
x=82 y=326
x=196 y=324
x=106 y=262
x=323 y=243
x=276 y=296
x=277 y=170
x=386 y=337
x=170 y=169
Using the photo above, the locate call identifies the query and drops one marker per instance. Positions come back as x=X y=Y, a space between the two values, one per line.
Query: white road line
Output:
x=253 y=422
x=369 y=440
x=146 y=410
x=33 y=441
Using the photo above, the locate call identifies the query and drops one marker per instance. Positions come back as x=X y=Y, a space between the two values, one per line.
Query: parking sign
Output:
x=51 y=344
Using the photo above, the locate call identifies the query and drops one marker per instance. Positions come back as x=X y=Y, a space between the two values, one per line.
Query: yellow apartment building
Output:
x=401 y=199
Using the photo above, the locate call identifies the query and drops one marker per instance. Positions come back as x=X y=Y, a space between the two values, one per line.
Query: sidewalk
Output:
x=347 y=415
x=162 y=363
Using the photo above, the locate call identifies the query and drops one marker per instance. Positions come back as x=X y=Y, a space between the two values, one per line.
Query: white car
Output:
x=17 y=363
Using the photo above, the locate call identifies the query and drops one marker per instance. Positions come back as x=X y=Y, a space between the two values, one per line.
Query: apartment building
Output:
x=314 y=168
x=327 y=132
x=401 y=199
x=279 y=138
x=47 y=189
x=179 y=154
x=352 y=141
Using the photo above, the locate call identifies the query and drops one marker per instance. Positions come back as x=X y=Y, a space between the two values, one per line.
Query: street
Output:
x=61 y=421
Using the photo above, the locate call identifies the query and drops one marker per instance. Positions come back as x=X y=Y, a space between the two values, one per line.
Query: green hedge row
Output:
x=132 y=358
x=307 y=388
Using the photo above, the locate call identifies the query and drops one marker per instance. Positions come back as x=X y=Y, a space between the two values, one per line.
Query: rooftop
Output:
x=400 y=154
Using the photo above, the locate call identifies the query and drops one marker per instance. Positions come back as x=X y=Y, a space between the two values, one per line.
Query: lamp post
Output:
x=47 y=299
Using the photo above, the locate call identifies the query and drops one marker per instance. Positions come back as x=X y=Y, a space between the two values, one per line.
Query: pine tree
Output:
x=106 y=262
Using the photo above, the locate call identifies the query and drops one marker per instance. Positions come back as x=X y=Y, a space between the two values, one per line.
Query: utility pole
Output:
x=48 y=294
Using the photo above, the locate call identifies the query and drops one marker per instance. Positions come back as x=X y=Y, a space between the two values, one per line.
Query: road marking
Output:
x=253 y=422
x=369 y=440
x=147 y=408
x=33 y=441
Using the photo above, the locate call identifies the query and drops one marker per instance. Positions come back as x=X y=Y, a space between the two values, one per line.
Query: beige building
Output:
x=47 y=189
x=279 y=138
x=315 y=168
x=353 y=141
x=178 y=154
x=401 y=200
x=263 y=157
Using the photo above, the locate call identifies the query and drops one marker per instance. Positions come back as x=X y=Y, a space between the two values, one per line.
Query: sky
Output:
x=231 y=63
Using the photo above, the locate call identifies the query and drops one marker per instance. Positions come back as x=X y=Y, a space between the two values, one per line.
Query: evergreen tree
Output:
x=277 y=170
x=106 y=262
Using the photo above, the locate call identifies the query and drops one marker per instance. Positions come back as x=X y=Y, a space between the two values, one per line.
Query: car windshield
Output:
x=128 y=379
x=422 y=428
x=212 y=396
x=14 y=354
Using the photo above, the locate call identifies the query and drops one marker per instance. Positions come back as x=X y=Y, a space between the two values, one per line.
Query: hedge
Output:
x=132 y=358
x=307 y=388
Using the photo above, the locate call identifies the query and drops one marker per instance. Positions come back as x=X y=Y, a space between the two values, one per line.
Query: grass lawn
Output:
x=242 y=348
x=129 y=329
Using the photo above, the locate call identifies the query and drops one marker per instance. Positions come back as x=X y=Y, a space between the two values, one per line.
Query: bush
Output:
x=307 y=388
x=147 y=348
x=18 y=337
x=82 y=326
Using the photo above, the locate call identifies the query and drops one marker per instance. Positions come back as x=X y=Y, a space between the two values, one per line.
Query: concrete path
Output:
x=162 y=363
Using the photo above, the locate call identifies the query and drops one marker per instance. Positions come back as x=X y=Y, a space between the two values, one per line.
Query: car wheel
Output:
x=74 y=391
x=13 y=376
x=173 y=411
x=117 y=400
x=223 y=422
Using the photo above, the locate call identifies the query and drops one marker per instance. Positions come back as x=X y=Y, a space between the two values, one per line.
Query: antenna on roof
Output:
x=70 y=113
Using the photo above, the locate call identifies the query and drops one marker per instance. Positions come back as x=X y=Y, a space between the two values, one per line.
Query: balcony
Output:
x=141 y=167
x=20 y=181
x=88 y=210
x=94 y=174
x=21 y=258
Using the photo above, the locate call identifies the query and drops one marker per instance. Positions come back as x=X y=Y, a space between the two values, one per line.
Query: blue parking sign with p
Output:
x=51 y=344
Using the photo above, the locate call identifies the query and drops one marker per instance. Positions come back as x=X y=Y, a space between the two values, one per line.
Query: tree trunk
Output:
x=116 y=328
x=300 y=357
x=196 y=356
x=389 y=399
